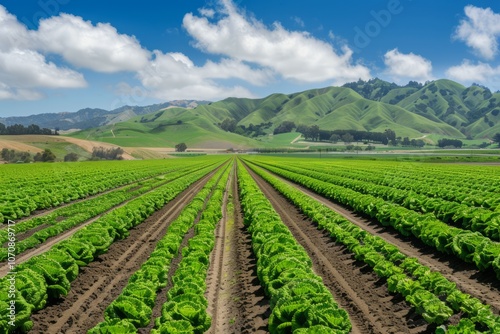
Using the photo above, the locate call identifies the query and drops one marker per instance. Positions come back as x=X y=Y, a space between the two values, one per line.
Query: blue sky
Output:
x=64 y=55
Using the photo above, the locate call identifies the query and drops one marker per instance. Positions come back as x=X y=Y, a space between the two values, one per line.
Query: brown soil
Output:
x=102 y=281
x=482 y=285
x=27 y=234
x=236 y=299
x=14 y=145
x=355 y=287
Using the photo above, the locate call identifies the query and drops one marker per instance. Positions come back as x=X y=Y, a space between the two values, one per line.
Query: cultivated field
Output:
x=253 y=244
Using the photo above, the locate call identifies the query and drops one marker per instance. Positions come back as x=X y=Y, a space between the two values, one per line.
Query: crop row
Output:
x=77 y=213
x=472 y=218
x=46 y=277
x=463 y=188
x=471 y=247
x=432 y=295
x=300 y=302
x=186 y=305
x=35 y=187
x=133 y=307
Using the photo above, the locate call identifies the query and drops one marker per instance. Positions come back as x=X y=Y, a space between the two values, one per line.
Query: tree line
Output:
x=98 y=153
x=19 y=129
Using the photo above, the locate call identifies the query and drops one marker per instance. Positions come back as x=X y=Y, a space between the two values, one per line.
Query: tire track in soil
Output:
x=481 y=285
x=236 y=298
x=355 y=287
x=99 y=283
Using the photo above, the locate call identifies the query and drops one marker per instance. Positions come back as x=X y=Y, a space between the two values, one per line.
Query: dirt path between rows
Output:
x=102 y=281
x=355 y=287
x=218 y=310
x=237 y=302
x=482 y=285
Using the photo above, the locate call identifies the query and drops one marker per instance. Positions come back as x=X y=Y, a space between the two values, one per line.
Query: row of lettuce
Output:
x=67 y=217
x=27 y=188
x=186 y=307
x=469 y=246
x=299 y=301
x=469 y=185
x=461 y=214
x=46 y=277
x=432 y=295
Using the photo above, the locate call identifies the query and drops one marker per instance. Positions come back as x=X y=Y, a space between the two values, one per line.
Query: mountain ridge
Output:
x=441 y=107
x=93 y=117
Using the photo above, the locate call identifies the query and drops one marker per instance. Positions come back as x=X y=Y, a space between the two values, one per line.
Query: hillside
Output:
x=90 y=117
x=473 y=111
x=168 y=128
x=330 y=108
x=440 y=108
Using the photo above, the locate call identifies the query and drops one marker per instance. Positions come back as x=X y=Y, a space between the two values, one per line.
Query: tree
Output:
x=314 y=132
x=450 y=143
x=48 y=156
x=347 y=138
x=286 y=126
x=99 y=153
x=390 y=134
x=180 y=147
x=71 y=157
x=496 y=138
x=228 y=124
x=334 y=138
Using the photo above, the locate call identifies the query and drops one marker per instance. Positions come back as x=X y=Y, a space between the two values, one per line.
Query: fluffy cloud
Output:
x=293 y=55
x=29 y=69
x=468 y=72
x=480 y=30
x=407 y=66
x=12 y=33
x=175 y=76
x=23 y=69
x=100 y=48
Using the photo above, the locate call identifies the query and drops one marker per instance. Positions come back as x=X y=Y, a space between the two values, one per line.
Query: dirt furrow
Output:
x=102 y=281
x=482 y=285
x=355 y=287
x=214 y=275
x=242 y=306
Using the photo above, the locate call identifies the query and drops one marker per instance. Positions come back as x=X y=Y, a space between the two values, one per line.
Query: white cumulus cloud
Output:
x=100 y=48
x=292 y=54
x=23 y=69
x=401 y=66
x=175 y=76
x=480 y=30
x=29 y=69
x=469 y=72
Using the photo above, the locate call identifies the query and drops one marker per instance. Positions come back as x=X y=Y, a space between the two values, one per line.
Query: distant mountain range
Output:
x=442 y=107
x=91 y=117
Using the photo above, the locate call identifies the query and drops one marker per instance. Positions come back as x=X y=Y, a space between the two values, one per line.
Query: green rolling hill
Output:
x=440 y=108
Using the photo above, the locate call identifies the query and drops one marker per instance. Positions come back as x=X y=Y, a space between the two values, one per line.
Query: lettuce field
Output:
x=250 y=244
